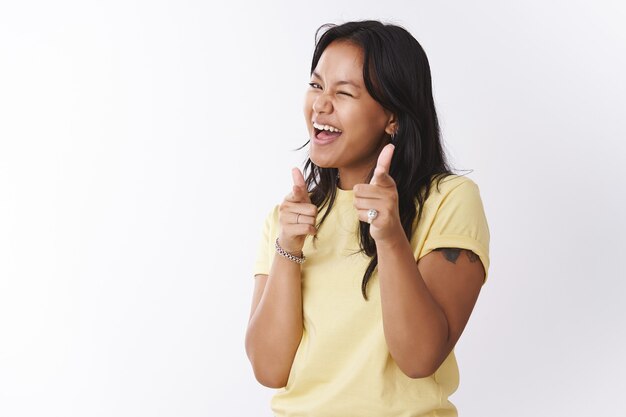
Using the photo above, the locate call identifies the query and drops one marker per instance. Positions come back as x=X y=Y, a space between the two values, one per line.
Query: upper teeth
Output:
x=326 y=127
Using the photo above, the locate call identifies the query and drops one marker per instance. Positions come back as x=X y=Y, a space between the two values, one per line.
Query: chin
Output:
x=321 y=162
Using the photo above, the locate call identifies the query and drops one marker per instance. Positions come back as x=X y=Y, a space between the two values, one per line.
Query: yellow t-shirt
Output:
x=343 y=366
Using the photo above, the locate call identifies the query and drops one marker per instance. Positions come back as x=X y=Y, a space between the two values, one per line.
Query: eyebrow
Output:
x=340 y=82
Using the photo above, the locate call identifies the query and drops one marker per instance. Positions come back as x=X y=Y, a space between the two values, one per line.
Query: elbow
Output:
x=419 y=373
x=271 y=364
x=420 y=365
x=419 y=369
x=267 y=375
x=269 y=380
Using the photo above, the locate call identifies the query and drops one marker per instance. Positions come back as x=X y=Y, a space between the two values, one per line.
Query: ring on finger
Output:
x=371 y=215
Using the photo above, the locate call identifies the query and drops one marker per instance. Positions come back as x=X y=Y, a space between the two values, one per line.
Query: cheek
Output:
x=369 y=120
x=362 y=124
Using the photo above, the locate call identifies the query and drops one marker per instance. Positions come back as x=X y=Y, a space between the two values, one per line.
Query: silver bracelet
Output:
x=287 y=255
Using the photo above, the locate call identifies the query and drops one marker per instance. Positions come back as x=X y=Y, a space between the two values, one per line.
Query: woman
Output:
x=361 y=318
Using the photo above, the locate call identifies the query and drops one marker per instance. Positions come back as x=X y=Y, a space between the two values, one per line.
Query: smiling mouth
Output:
x=325 y=135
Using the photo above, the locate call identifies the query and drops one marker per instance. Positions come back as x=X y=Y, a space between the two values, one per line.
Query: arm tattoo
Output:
x=452 y=254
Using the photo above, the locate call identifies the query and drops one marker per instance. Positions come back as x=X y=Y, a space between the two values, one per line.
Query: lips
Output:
x=324 y=136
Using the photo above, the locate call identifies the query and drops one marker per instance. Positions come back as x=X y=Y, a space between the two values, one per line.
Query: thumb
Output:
x=381 y=173
x=300 y=190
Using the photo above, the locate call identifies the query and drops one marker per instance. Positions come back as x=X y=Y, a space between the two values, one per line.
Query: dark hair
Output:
x=397 y=75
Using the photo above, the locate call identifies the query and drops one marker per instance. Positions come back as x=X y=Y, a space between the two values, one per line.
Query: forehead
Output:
x=341 y=59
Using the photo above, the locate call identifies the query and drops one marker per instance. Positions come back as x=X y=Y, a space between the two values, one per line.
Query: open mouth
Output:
x=325 y=135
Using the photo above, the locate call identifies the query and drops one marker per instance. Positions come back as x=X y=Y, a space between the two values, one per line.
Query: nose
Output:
x=322 y=104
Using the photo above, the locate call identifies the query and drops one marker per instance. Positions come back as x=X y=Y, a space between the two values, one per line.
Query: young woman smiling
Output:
x=368 y=271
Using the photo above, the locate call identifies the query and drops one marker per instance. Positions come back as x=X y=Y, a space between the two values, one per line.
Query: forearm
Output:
x=416 y=329
x=275 y=328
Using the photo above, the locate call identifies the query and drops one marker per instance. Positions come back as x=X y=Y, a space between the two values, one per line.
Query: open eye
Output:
x=315 y=85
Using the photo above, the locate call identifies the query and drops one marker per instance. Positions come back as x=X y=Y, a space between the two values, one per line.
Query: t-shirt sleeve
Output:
x=460 y=222
x=265 y=246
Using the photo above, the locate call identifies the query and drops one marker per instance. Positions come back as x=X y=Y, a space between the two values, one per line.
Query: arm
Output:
x=275 y=325
x=427 y=305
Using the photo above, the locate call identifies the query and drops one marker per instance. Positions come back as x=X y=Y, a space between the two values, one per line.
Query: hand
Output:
x=296 y=216
x=380 y=194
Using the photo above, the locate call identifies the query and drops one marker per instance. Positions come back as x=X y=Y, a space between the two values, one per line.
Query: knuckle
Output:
x=311 y=209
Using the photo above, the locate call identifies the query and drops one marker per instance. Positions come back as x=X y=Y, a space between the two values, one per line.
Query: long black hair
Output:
x=397 y=75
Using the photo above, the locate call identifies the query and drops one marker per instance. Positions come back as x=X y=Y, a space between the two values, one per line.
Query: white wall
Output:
x=143 y=142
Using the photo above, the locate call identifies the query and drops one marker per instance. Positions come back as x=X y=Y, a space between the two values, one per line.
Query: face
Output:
x=337 y=97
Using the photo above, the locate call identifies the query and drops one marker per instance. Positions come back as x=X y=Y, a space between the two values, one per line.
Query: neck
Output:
x=349 y=178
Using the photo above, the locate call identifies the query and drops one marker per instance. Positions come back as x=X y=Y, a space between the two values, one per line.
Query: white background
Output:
x=143 y=143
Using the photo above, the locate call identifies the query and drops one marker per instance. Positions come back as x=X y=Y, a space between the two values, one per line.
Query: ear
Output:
x=392 y=124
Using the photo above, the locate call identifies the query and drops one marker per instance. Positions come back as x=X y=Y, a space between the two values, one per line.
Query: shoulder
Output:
x=452 y=183
x=456 y=218
x=443 y=189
